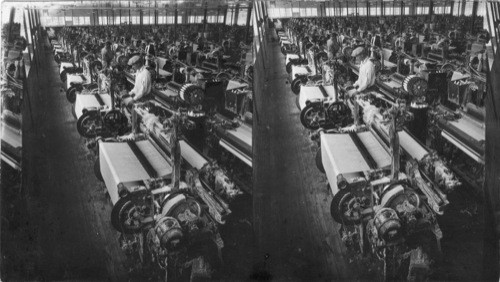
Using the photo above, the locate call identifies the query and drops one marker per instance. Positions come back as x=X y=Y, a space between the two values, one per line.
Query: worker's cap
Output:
x=134 y=60
x=358 y=51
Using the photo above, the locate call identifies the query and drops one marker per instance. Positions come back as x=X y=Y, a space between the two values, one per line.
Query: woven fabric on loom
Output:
x=470 y=127
x=345 y=156
x=411 y=146
x=119 y=164
x=73 y=78
x=11 y=135
x=242 y=133
x=65 y=65
x=235 y=85
x=408 y=143
x=190 y=155
x=90 y=101
x=298 y=70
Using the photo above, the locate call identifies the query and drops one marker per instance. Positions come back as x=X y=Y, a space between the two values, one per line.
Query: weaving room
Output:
x=380 y=118
x=126 y=140
x=128 y=151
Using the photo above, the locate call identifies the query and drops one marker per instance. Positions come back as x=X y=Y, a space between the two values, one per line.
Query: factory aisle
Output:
x=69 y=212
x=297 y=237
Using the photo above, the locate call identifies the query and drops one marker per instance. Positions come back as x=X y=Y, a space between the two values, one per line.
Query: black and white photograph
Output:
x=126 y=140
x=250 y=140
x=376 y=140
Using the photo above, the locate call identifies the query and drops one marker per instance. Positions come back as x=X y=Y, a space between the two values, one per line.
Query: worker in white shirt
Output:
x=143 y=81
x=366 y=79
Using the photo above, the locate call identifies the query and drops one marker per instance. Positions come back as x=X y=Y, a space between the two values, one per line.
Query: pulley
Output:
x=387 y=224
x=192 y=94
x=339 y=113
x=172 y=51
x=415 y=86
x=345 y=208
x=96 y=66
x=129 y=215
x=122 y=60
x=398 y=193
x=321 y=57
x=183 y=208
x=169 y=232
x=448 y=68
x=347 y=51
x=116 y=121
x=89 y=125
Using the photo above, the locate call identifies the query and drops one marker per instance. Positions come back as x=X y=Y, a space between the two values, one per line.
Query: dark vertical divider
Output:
x=492 y=181
x=259 y=85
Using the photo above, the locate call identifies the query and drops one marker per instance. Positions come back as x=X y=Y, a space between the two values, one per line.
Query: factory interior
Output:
x=128 y=151
x=126 y=140
x=379 y=118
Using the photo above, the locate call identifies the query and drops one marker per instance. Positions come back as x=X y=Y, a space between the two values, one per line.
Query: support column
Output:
x=225 y=14
x=356 y=9
x=264 y=10
x=474 y=15
x=401 y=11
x=218 y=14
x=236 y=13
x=249 y=18
x=205 y=20
x=176 y=13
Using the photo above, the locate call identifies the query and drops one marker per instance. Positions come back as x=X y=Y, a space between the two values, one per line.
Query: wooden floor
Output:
x=296 y=235
x=67 y=227
x=57 y=227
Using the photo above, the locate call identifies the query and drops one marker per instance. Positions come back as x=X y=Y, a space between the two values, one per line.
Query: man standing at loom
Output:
x=142 y=86
x=366 y=79
x=107 y=55
x=332 y=46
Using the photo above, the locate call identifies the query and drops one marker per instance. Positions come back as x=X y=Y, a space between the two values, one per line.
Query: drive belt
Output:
x=362 y=149
x=142 y=159
x=99 y=99
x=323 y=91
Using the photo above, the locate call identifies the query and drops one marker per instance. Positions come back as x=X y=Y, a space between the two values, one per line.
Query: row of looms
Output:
x=177 y=164
x=419 y=150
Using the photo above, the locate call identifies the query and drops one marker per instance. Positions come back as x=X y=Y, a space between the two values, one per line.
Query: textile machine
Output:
x=98 y=110
x=382 y=209
x=11 y=141
x=178 y=218
x=148 y=208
